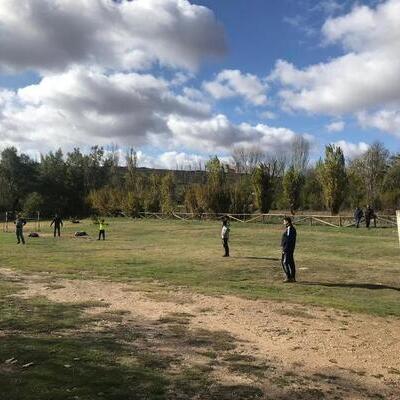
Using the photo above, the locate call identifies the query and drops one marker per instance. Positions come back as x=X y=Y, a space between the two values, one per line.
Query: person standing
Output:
x=369 y=214
x=58 y=223
x=19 y=228
x=225 y=236
x=102 y=229
x=288 y=244
x=358 y=214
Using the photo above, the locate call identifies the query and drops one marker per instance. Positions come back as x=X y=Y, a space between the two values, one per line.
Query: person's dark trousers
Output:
x=358 y=223
x=367 y=222
x=289 y=266
x=57 y=231
x=20 y=236
x=102 y=233
x=226 y=247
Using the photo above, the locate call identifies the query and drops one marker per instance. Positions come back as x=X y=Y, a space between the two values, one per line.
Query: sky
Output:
x=183 y=80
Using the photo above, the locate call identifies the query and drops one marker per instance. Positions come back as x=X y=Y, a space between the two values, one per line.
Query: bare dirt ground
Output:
x=312 y=353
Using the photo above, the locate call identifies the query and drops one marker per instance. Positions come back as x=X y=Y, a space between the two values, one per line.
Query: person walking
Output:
x=19 y=228
x=288 y=244
x=358 y=215
x=58 y=223
x=102 y=229
x=225 y=236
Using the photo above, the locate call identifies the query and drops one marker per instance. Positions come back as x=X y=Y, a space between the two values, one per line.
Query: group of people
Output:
x=369 y=215
x=288 y=245
x=57 y=223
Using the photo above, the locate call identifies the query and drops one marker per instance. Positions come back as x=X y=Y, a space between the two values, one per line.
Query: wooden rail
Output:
x=334 y=221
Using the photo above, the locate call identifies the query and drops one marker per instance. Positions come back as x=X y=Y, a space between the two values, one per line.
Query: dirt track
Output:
x=348 y=356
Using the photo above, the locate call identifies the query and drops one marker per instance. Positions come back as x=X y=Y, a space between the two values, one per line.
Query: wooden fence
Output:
x=336 y=221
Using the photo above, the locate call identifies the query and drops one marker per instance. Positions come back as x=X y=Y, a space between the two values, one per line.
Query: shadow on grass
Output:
x=370 y=286
x=259 y=258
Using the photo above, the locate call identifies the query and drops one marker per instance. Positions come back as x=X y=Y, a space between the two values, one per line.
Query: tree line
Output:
x=78 y=184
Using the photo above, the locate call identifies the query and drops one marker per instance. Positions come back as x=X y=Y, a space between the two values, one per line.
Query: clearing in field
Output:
x=155 y=312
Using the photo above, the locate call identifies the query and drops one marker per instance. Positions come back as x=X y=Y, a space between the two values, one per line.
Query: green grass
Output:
x=349 y=269
x=57 y=351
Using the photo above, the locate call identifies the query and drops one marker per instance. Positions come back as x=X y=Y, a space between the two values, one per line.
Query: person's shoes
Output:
x=18 y=242
x=293 y=280
x=286 y=280
x=225 y=255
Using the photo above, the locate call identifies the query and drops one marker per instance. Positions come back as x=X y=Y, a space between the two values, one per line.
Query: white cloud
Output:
x=329 y=6
x=234 y=83
x=268 y=115
x=218 y=134
x=336 y=126
x=51 y=35
x=352 y=150
x=84 y=106
x=365 y=76
x=384 y=120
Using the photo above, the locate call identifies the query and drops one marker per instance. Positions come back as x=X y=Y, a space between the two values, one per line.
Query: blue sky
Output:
x=180 y=82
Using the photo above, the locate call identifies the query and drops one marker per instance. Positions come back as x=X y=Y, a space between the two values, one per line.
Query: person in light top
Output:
x=225 y=236
x=288 y=245
x=102 y=229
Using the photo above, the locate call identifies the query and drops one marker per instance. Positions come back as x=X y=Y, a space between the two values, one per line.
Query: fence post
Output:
x=6 y=221
x=398 y=222
x=38 y=221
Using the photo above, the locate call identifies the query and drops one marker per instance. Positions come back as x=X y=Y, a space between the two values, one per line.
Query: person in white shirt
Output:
x=225 y=236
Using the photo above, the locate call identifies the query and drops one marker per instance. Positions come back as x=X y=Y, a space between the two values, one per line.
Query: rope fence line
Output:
x=335 y=221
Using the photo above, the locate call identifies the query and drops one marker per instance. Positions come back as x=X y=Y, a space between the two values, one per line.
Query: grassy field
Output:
x=57 y=351
x=355 y=270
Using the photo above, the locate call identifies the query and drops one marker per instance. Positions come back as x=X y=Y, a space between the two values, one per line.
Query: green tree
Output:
x=218 y=199
x=312 y=193
x=152 y=195
x=293 y=182
x=372 y=167
x=131 y=204
x=33 y=203
x=264 y=179
x=168 y=193
x=241 y=196
x=18 y=177
x=391 y=185
x=53 y=178
x=333 y=178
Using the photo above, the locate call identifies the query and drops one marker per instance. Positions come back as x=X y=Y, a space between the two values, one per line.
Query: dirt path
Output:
x=345 y=352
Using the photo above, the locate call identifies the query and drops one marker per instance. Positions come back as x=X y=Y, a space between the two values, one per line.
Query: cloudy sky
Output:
x=182 y=80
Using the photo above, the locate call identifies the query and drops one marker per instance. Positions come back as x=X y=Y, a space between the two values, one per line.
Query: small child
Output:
x=102 y=230
x=225 y=236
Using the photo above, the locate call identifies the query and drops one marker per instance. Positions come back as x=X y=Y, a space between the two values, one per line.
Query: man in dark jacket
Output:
x=19 y=229
x=369 y=214
x=288 y=245
x=358 y=214
x=57 y=221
